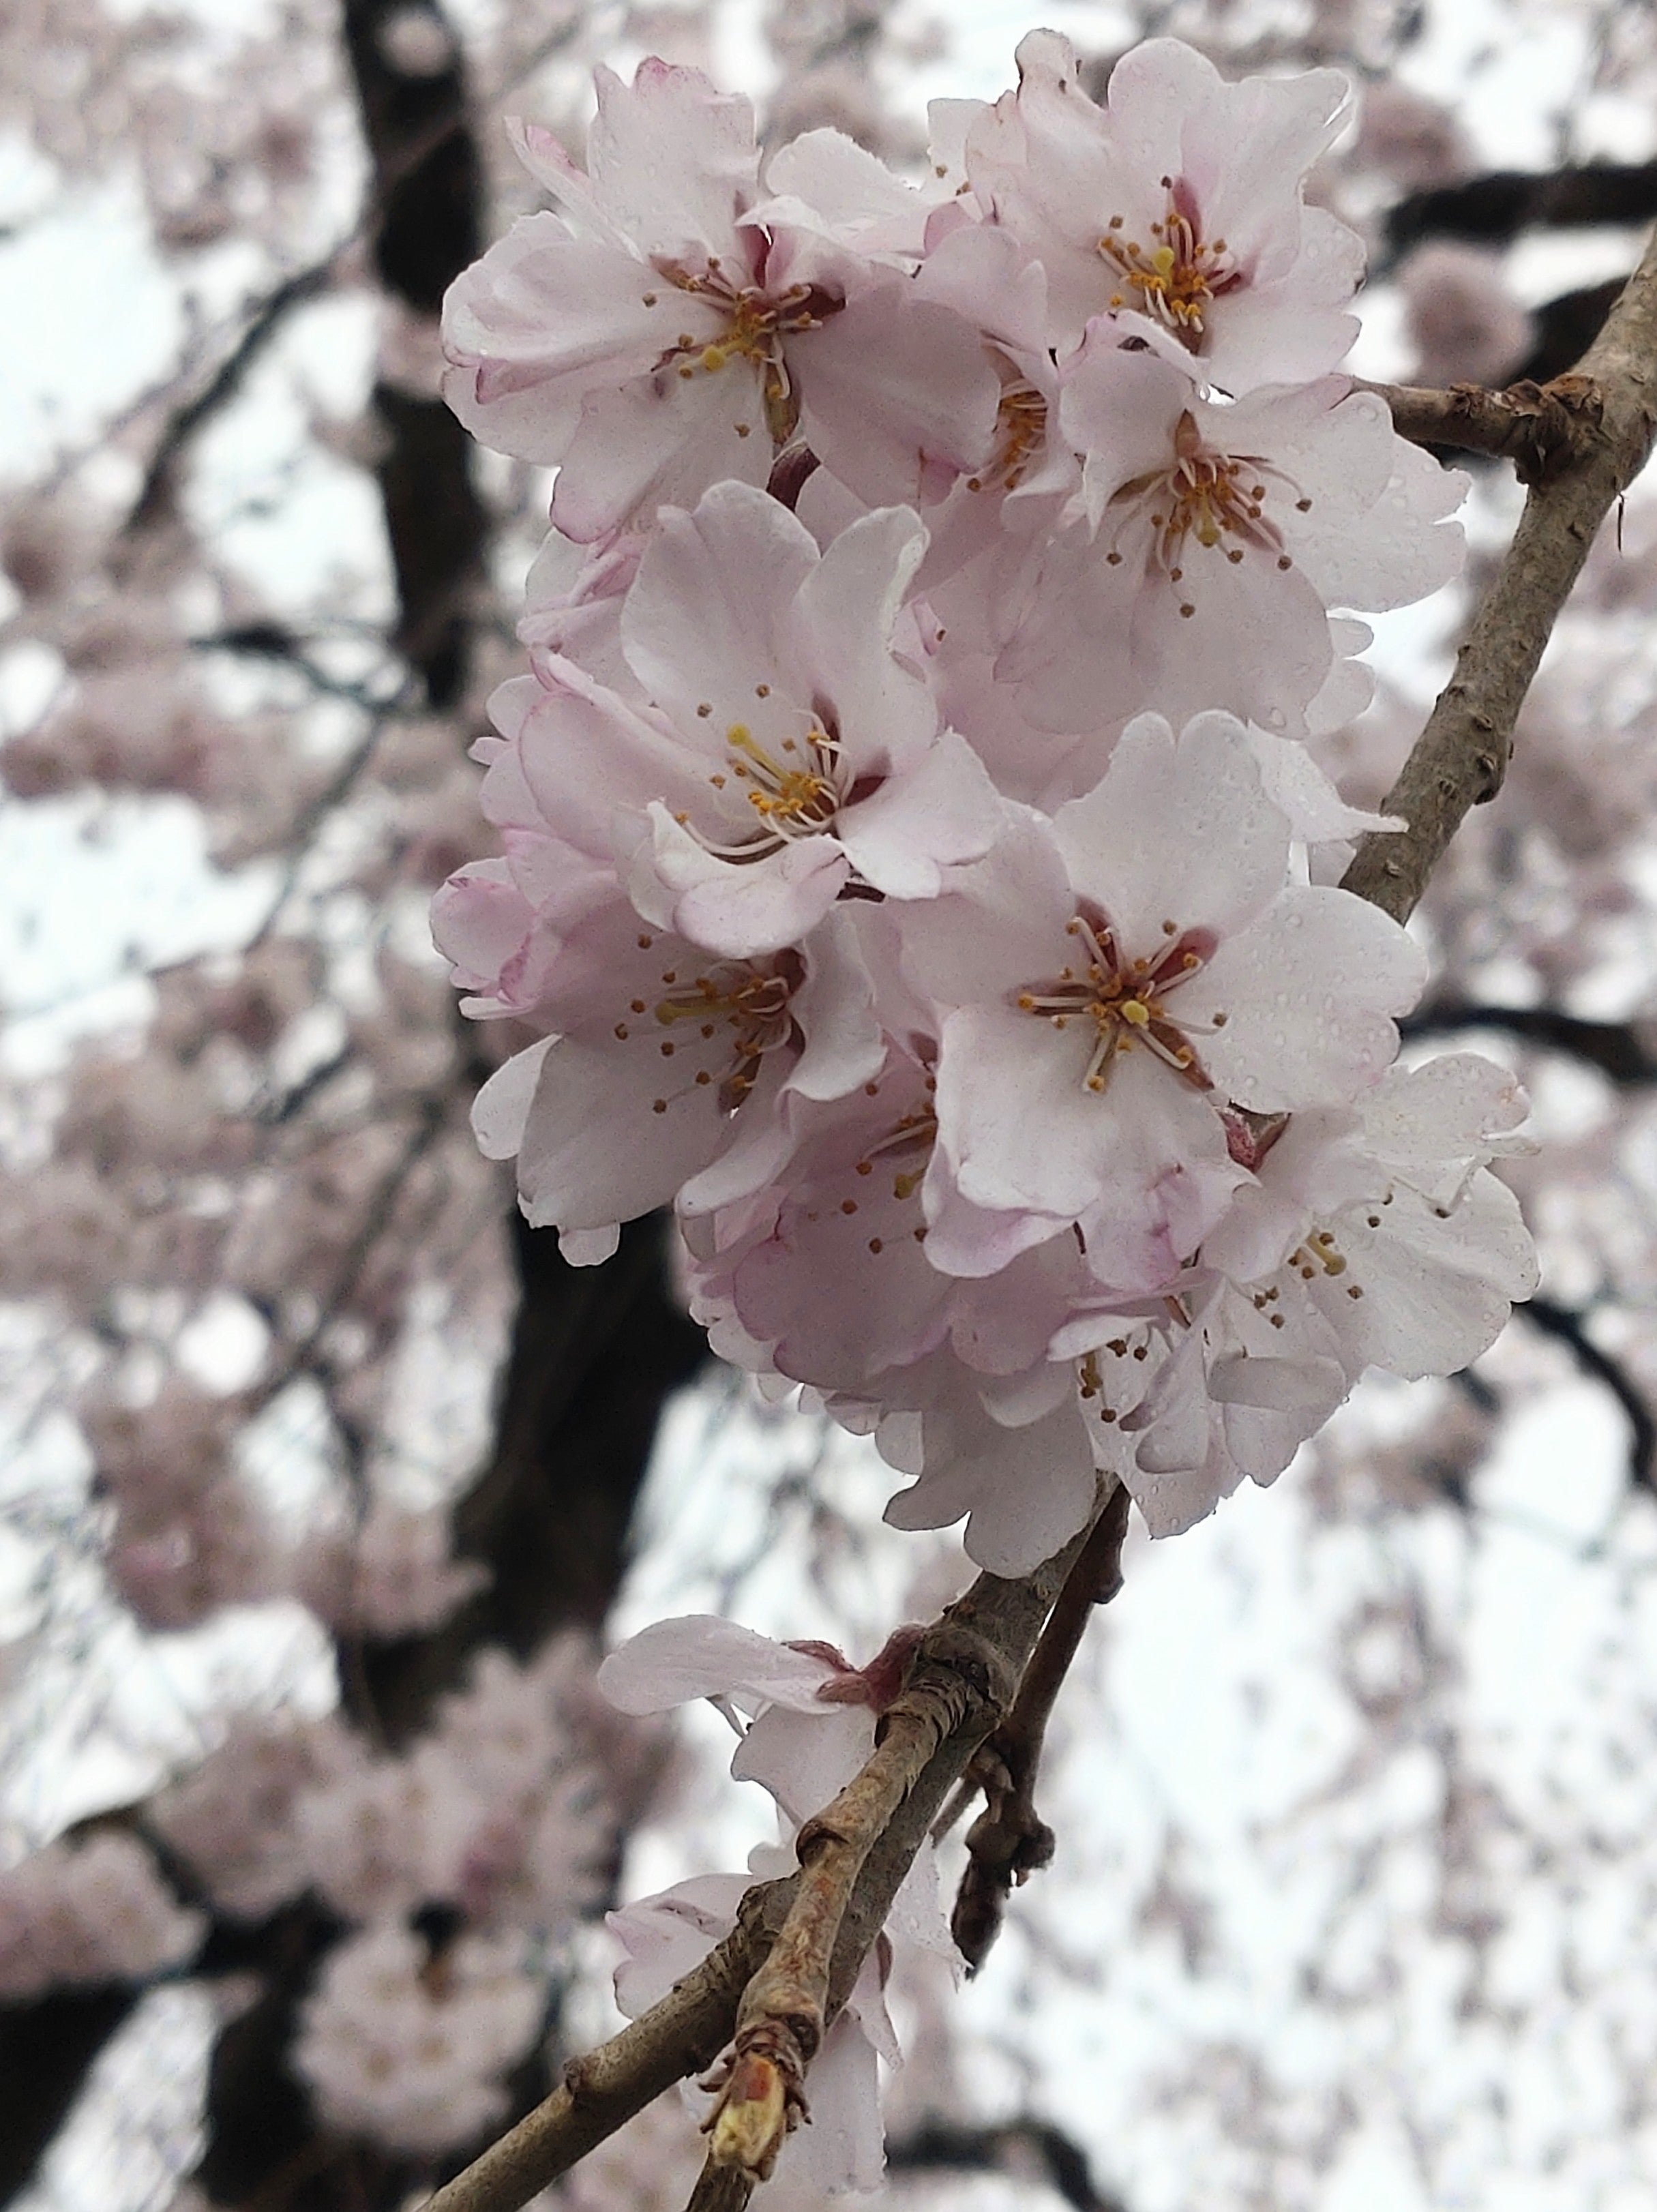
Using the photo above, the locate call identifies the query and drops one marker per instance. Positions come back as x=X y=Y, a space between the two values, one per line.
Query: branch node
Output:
x=980 y=1667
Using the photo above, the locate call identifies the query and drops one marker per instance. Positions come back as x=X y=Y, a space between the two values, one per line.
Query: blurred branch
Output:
x=1013 y=2148
x=272 y=642
x=1616 y=1049
x=1494 y=208
x=426 y=219
x=1569 y=1328
x=1563 y=329
x=1462 y=756
x=46 y=2049
x=265 y=319
x=595 y=1352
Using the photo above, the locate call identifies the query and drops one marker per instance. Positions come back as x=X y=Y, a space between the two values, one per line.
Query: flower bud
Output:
x=750 y=2122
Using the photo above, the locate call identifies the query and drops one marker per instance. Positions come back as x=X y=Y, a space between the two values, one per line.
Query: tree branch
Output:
x=960 y=1684
x=1616 y=1049
x=155 y=496
x=1010 y=1841
x=1541 y=428
x=1494 y=208
x=1569 y=1328
x=1462 y=756
x=1009 y=2146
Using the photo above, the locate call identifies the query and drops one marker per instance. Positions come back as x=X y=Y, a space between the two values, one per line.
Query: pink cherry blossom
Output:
x=1373 y=1235
x=808 y=1716
x=1216 y=542
x=409 y=2059
x=673 y=1072
x=784 y=752
x=1176 y=209
x=666 y=330
x=94 y=1910
x=1115 y=976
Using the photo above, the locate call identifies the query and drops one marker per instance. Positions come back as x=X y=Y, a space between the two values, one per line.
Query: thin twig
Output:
x=1569 y=1328
x=1462 y=756
x=721 y=2189
x=787 y=2007
x=1010 y=1841
x=264 y=320
x=1542 y=429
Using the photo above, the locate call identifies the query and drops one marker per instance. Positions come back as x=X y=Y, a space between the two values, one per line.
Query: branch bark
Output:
x=1541 y=428
x=1010 y=1841
x=1462 y=756
x=962 y=1681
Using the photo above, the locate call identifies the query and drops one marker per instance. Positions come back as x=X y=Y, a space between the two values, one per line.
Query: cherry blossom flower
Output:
x=671 y=326
x=1114 y=977
x=409 y=2051
x=1176 y=210
x=786 y=752
x=1216 y=542
x=673 y=1072
x=807 y=1715
x=1021 y=1467
x=392 y=1577
x=1368 y=1236
x=89 y=1912
x=232 y=1819
x=903 y=900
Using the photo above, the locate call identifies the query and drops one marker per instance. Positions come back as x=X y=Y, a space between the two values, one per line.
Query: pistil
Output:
x=752 y=1002
x=1124 y=1000
x=1175 y=277
x=757 y=326
x=1216 y=498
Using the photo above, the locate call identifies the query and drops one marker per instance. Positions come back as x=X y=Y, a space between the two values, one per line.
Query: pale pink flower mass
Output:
x=914 y=866
x=920 y=891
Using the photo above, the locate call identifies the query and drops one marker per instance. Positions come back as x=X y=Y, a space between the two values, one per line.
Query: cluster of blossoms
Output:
x=503 y=1816
x=88 y=1912
x=917 y=862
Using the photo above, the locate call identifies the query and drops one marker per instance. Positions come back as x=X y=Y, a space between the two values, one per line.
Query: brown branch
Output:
x=1462 y=756
x=1028 y=2148
x=721 y=2189
x=1541 y=428
x=962 y=1676
x=956 y=1687
x=1570 y=1329
x=1617 y=1050
x=1010 y=1841
x=1495 y=208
